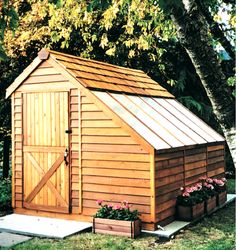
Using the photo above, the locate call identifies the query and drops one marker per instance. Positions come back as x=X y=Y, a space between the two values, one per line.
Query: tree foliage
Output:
x=8 y=20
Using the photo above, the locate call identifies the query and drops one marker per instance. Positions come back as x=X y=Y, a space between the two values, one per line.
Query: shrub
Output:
x=116 y=212
x=5 y=194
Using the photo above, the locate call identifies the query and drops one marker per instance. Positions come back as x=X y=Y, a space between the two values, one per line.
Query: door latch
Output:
x=65 y=156
x=68 y=131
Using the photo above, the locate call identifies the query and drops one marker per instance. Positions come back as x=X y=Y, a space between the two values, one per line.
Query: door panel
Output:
x=46 y=176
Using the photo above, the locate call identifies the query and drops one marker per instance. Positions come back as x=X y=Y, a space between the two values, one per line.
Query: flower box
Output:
x=221 y=198
x=117 y=227
x=210 y=204
x=189 y=213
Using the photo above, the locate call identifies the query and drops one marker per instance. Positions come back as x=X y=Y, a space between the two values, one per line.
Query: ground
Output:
x=216 y=232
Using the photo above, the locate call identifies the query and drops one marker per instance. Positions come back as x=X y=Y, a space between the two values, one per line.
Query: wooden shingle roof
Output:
x=103 y=76
x=138 y=101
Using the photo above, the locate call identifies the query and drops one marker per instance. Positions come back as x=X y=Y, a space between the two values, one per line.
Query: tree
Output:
x=8 y=20
x=193 y=34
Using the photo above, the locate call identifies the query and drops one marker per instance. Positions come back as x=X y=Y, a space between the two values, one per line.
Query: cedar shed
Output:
x=127 y=138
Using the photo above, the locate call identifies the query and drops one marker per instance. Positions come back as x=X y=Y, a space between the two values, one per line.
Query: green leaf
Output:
x=167 y=5
x=54 y=36
x=14 y=19
x=190 y=103
x=3 y=55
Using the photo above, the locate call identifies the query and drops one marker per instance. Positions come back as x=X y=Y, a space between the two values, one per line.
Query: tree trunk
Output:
x=6 y=150
x=193 y=34
x=216 y=31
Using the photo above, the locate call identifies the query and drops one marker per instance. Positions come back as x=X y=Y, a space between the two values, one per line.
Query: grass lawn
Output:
x=216 y=232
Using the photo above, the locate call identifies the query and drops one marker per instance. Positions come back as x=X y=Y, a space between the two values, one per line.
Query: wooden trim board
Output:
x=23 y=76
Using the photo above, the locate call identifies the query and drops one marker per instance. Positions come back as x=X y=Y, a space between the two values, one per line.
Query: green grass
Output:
x=216 y=232
x=231 y=186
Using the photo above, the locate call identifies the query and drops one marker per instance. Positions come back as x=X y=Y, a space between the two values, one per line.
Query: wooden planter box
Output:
x=221 y=198
x=117 y=227
x=210 y=205
x=190 y=213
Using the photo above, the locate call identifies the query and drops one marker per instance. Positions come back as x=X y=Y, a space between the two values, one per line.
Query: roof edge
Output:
x=43 y=54
x=96 y=61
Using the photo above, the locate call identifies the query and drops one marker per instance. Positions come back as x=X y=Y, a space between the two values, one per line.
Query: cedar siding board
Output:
x=128 y=139
x=112 y=171
x=183 y=168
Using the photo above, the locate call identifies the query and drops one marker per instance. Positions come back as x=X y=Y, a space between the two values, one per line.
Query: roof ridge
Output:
x=96 y=61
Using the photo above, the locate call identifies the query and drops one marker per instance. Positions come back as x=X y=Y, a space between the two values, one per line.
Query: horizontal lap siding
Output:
x=114 y=166
x=74 y=151
x=45 y=79
x=17 y=140
x=216 y=161
x=180 y=169
x=169 y=178
x=195 y=165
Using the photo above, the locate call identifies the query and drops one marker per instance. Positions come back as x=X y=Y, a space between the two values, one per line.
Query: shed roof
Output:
x=143 y=104
x=164 y=123
x=98 y=75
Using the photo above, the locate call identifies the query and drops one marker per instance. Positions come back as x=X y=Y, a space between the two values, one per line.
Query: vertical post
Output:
x=69 y=147
x=152 y=185
x=207 y=161
x=80 y=150
x=184 y=156
x=13 y=148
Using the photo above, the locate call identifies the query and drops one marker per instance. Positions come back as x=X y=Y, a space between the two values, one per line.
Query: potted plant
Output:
x=210 y=194
x=117 y=220
x=220 y=187
x=190 y=204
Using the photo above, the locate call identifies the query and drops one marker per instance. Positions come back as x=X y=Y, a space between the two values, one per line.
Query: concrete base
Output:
x=41 y=226
x=175 y=226
x=9 y=240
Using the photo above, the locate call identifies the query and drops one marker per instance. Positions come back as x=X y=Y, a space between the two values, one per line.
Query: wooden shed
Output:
x=127 y=139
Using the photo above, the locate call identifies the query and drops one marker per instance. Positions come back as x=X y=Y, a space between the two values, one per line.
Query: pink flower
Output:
x=186 y=194
x=117 y=207
x=199 y=186
x=221 y=183
x=110 y=205
x=209 y=186
x=99 y=202
x=188 y=190
x=224 y=179
x=209 y=180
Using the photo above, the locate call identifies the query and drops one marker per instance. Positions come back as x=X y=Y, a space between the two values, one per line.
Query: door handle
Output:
x=66 y=153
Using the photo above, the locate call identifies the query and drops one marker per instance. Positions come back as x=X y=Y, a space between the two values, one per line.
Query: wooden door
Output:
x=46 y=175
